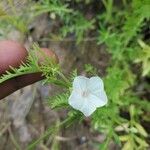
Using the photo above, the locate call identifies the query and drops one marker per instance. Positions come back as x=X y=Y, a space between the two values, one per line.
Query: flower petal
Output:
x=75 y=100
x=87 y=94
x=88 y=108
x=95 y=83
x=99 y=99
x=80 y=83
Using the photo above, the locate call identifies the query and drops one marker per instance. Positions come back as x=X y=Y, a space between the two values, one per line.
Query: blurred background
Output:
x=102 y=33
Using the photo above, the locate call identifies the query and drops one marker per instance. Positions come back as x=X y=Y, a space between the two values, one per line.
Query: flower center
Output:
x=85 y=93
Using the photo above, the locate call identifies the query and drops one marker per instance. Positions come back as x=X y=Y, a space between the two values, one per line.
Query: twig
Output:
x=64 y=139
x=5 y=129
x=66 y=40
x=13 y=139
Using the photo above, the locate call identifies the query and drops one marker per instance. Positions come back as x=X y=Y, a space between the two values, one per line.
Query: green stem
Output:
x=64 y=78
x=108 y=5
x=14 y=140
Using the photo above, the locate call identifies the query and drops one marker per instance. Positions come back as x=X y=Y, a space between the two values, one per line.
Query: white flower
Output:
x=87 y=94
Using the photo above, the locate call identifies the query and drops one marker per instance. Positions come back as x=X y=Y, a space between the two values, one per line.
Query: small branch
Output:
x=13 y=139
x=5 y=129
x=66 y=40
x=64 y=139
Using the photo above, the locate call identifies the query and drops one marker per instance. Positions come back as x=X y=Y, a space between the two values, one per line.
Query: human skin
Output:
x=13 y=54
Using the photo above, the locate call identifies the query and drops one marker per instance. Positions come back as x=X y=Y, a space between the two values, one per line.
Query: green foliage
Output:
x=90 y=70
x=144 y=58
x=135 y=18
x=120 y=29
x=52 y=6
x=121 y=80
x=120 y=77
x=59 y=101
x=16 y=22
x=73 y=21
x=78 y=25
x=12 y=16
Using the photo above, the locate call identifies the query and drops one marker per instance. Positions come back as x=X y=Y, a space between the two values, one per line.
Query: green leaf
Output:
x=59 y=101
x=144 y=57
x=124 y=138
x=141 y=142
x=128 y=146
x=140 y=129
